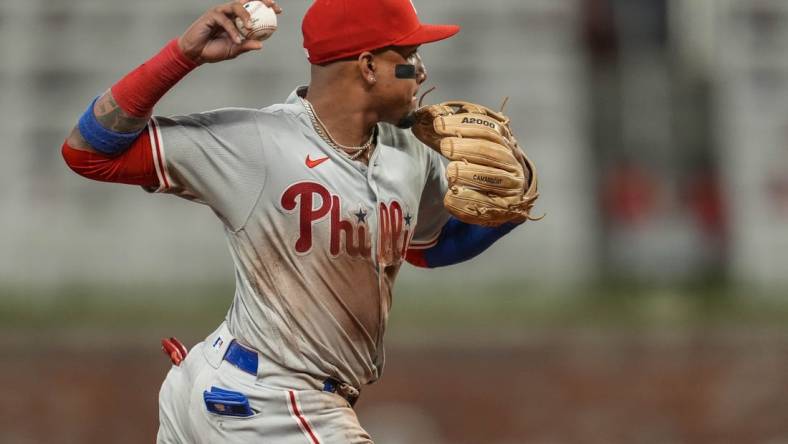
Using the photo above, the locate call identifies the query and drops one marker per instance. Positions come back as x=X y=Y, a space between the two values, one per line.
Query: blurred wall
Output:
x=58 y=228
x=751 y=70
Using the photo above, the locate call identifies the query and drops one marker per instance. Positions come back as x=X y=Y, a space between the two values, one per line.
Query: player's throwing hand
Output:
x=214 y=38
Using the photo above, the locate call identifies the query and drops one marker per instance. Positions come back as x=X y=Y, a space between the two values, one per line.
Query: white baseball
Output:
x=263 y=21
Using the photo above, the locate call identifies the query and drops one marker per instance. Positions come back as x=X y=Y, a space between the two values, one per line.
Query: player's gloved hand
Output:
x=174 y=349
x=491 y=181
x=214 y=38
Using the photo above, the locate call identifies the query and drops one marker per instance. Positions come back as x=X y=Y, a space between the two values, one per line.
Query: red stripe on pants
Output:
x=305 y=425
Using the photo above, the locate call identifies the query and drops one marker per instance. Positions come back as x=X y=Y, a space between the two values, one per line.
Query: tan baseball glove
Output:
x=491 y=181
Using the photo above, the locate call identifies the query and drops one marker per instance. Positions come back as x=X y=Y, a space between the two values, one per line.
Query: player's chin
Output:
x=407 y=121
x=408 y=116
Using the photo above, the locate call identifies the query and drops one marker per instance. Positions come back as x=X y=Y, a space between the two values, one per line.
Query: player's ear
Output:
x=366 y=66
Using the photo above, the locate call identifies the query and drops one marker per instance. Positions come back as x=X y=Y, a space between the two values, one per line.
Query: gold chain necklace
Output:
x=322 y=131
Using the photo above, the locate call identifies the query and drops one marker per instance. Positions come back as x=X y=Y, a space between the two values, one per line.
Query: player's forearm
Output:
x=112 y=117
x=458 y=242
x=114 y=120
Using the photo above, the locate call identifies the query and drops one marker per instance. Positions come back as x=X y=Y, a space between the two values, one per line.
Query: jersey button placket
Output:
x=373 y=187
x=375 y=192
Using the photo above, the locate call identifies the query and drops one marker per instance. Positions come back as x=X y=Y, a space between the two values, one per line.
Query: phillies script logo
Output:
x=395 y=233
x=314 y=202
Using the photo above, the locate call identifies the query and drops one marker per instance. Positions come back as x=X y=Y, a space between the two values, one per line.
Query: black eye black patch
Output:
x=405 y=71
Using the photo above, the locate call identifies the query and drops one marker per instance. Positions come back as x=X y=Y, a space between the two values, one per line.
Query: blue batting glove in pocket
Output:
x=227 y=402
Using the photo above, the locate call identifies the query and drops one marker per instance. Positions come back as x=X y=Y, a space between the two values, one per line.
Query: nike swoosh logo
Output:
x=313 y=163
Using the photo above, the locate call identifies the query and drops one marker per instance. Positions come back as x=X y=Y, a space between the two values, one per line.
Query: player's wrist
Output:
x=179 y=56
x=190 y=53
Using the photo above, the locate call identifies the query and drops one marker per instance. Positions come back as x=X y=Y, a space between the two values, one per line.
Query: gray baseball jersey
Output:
x=317 y=238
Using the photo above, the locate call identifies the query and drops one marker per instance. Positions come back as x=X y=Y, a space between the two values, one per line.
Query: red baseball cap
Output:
x=337 y=29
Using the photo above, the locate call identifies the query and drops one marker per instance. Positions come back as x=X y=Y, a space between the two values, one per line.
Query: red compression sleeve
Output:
x=134 y=166
x=140 y=89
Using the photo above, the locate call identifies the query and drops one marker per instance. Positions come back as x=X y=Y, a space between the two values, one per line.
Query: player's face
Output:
x=399 y=96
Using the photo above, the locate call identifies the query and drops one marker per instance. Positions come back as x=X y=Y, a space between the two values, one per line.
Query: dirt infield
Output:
x=545 y=387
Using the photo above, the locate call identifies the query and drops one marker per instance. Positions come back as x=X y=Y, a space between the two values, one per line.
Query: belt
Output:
x=247 y=360
x=343 y=389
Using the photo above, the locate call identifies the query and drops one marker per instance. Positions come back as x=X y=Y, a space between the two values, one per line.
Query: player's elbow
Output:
x=82 y=162
x=72 y=158
x=135 y=166
x=76 y=152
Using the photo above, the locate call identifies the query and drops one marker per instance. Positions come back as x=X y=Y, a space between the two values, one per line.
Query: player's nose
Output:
x=421 y=76
x=421 y=70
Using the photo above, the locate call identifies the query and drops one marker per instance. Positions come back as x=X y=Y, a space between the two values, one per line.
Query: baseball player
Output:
x=322 y=198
